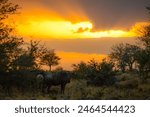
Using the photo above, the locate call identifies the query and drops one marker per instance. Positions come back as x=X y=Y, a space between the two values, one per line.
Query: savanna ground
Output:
x=129 y=87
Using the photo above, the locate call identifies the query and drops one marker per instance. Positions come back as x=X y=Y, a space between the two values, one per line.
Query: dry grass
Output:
x=78 y=90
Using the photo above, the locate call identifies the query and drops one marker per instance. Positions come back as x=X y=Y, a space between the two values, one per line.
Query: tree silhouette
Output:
x=80 y=70
x=124 y=56
x=118 y=56
x=143 y=55
x=130 y=54
x=9 y=44
x=50 y=59
x=142 y=58
x=96 y=73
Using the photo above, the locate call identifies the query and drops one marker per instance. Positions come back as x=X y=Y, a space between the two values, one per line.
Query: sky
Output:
x=80 y=30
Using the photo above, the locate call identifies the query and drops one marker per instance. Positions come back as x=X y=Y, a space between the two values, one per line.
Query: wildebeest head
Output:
x=40 y=76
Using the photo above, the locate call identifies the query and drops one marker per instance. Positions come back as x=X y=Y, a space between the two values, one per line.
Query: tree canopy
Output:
x=9 y=45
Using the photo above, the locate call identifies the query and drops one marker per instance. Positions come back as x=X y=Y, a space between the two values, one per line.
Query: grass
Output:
x=78 y=90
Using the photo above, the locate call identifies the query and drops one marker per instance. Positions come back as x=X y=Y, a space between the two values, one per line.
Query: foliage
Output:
x=143 y=61
x=29 y=58
x=80 y=70
x=96 y=73
x=6 y=9
x=123 y=55
x=9 y=44
x=50 y=59
x=143 y=55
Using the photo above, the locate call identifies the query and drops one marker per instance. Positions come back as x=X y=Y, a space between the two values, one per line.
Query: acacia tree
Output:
x=130 y=53
x=118 y=56
x=9 y=45
x=50 y=59
x=124 y=55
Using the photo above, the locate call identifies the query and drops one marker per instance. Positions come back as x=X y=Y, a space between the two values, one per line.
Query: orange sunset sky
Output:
x=80 y=30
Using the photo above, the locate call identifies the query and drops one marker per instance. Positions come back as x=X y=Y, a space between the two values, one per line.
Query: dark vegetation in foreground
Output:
x=125 y=74
x=87 y=81
x=128 y=86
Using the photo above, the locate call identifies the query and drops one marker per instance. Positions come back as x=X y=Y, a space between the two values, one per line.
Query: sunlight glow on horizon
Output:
x=69 y=58
x=61 y=20
x=66 y=30
x=49 y=24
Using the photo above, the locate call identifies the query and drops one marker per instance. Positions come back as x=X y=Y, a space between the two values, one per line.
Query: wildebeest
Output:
x=54 y=78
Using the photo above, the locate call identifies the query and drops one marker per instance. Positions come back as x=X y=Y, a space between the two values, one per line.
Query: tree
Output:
x=34 y=51
x=50 y=59
x=9 y=45
x=6 y=9
x=80 y=70
x=124 y=56
x=143 y=56
x=96 y=73
x=118 y=56
x=130 y=53
x=106 y=74
x=144 y=37
x=24 y=62
x=143 y=60
x=30 y=57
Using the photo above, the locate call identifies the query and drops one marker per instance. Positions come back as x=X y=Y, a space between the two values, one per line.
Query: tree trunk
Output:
x=130 y=67
x=50 y=68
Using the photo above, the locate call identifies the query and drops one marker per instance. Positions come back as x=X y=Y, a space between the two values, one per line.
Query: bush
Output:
x=97 y=74
x=127 y=84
